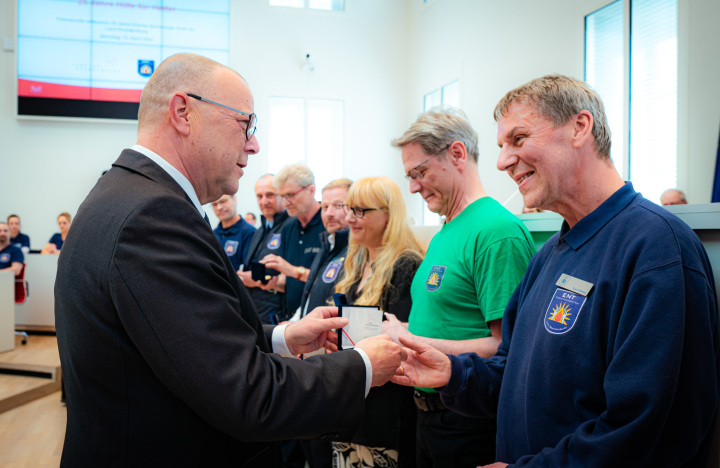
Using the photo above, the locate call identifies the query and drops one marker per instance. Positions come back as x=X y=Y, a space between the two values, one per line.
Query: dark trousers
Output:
x=447 y=439
x=318 y=453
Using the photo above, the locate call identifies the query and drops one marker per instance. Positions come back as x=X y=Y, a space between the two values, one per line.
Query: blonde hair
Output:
x=397 y=239
x=559 y=98
x=338 y=183
x=65 y=215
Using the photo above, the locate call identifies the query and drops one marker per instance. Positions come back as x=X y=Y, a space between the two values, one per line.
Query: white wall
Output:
x=360 y=58
x=492 y=47
x=380 y=57
x=495 y=46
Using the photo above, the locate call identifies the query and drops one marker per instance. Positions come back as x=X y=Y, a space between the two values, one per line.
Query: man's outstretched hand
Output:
x=425 y=366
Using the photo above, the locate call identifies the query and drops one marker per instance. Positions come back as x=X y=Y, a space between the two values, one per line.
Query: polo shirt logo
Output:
x=435 y=277
x=4 y=258
x=274 y=242
x=231 y=247
x=331 y=271
x=563 y=311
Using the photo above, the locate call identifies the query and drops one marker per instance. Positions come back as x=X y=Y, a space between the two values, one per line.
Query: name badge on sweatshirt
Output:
x=5 y=258
x=575 y=285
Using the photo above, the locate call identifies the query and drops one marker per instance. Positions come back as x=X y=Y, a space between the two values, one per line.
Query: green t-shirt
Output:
x=471 y=269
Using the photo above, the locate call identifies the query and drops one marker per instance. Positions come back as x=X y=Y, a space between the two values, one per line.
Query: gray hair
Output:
x=439 y=127
x=300 y=173
x=560 y=98
x=187 y=73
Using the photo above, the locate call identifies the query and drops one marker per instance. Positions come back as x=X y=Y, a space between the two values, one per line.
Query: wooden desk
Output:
x=38 y=310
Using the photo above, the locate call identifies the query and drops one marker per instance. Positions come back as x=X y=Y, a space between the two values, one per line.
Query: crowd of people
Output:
x=185 y=345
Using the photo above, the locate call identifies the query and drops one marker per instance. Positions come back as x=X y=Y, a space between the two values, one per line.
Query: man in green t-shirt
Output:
x=460 y=291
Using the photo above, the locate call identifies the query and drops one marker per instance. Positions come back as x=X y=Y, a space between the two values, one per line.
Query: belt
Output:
x=428 y=401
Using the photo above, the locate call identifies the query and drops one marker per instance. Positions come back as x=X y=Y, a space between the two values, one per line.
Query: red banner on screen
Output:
x=28 y=88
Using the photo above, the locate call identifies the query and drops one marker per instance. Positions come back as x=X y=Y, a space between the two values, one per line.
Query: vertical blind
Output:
x=652 y=132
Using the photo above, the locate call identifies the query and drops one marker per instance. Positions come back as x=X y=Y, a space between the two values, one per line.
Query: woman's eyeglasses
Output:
x=357 y=211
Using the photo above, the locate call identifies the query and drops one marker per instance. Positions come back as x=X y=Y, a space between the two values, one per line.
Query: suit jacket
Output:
x=164 y=360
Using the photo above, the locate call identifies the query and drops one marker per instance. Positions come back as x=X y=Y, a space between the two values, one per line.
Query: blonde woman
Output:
x=56 y=241
x=382 y=258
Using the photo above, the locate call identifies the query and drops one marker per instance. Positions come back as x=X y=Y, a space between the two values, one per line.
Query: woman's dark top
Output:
x=57 y=240
x=390 y=412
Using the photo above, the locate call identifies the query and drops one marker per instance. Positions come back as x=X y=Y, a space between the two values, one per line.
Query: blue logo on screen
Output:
x=146 y=67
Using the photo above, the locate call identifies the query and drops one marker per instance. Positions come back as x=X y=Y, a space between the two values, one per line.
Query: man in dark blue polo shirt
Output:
x=610 y=344
x=233 y=232
x=17 y=238
x=11 y=258
x=266 y=240
x=300 y=235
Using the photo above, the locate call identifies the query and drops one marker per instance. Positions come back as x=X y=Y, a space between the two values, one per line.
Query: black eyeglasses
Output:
x=415 y=173
x=251 y=128
x=357 y=211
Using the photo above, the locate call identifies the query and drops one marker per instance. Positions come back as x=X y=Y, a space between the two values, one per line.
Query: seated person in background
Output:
x=525 y=209
x=233 y=232
x=11 y=258
x=673 y=197
x=17 y=238
x=251 y=219
x=381 y=263
x=56 y=241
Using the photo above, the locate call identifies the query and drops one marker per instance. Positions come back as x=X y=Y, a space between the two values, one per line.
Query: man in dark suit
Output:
x=164 y=358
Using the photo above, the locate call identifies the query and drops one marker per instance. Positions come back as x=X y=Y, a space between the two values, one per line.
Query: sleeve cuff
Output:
x=279 y=345
x=368 y=370
x=456 y=376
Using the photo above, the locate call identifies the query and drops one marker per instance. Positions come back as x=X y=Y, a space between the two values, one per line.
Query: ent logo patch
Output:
x=435 y=277
x=274 y=242
x=563 y=311
x=4 y=258
x=331 y=271
x=231 y=247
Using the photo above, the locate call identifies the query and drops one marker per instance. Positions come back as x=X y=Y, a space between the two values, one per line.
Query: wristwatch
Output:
x=300 y=272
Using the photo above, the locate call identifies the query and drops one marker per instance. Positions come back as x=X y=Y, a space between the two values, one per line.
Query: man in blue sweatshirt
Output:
x=610 y=344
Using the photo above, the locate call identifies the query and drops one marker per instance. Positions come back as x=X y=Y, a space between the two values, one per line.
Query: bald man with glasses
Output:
x=165 y=360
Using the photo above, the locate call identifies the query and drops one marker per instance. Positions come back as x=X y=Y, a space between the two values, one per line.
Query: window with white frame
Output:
x=334 y=5
x=309 y=131
x=448 y=95
x=645 y=95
